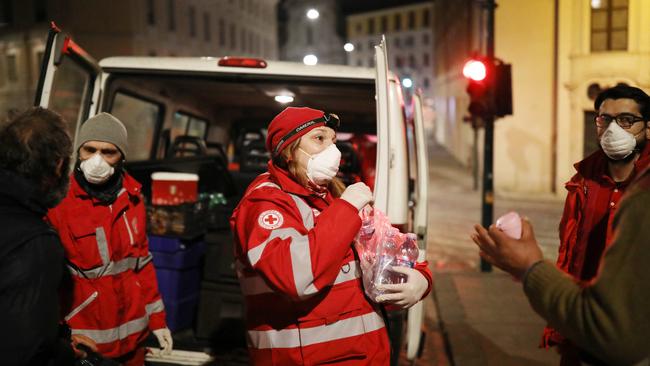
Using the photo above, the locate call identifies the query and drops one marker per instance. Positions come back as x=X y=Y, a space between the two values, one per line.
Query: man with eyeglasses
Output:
x=595 y=190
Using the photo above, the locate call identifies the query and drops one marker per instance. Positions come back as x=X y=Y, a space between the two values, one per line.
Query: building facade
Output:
x=129 y=27
x=409 y=35
x=319 y=36
x=561 y=57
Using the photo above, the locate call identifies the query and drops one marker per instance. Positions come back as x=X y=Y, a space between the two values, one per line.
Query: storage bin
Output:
x=181 y=313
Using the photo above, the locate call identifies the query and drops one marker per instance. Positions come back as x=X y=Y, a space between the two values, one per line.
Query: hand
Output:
x=358 y=195
x=405 y=294
x=165 y=340
x=80 y=339
x=511 y=255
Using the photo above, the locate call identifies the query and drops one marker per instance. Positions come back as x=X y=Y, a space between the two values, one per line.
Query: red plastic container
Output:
x=169 y=189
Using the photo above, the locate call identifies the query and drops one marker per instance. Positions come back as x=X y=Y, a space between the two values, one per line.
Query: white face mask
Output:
x=96 y=169
x=322 y=167
x=616 y=142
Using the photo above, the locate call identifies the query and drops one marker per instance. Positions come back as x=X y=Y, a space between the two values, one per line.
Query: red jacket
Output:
x=114 y=296
x=591 y=194
x=305 y=303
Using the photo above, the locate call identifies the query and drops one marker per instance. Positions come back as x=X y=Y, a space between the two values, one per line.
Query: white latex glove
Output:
x=405 y=294
x=358 y=195
x=165 y=340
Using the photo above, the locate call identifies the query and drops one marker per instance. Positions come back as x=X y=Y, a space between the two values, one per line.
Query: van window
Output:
x=68 y=89
x=141 y=117
x=185 y=124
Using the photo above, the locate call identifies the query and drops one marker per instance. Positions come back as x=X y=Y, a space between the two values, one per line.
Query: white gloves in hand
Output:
x=358 y=195
x=165 y=340
x=405 y=294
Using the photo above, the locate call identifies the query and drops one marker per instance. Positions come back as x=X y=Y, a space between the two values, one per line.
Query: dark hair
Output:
x=33 y=145
x=622 y=91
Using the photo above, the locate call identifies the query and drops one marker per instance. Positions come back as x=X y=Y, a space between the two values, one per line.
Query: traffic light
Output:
x=489 y=88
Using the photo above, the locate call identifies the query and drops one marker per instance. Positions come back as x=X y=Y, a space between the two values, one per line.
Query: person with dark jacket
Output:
x=35 y=154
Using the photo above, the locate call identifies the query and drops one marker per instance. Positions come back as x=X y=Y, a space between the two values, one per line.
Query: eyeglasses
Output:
x=625 y=120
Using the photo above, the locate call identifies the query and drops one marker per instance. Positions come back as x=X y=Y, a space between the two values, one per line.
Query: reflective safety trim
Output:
x=255 y=285
x=349 y=271
x=303 y=276
x=305 y=212
x=154 y=307
x=128 y=229
x=255 y=254
x=267 y=184
x=292 y=338
x=112 y=268
x=102 y=245
x=117 y=333
x=82 y=306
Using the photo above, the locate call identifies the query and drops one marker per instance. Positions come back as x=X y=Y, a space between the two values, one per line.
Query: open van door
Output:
x=69 y=80
x=421 y=211
x=383 y=113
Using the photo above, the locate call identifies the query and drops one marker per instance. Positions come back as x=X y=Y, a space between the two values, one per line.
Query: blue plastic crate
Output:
x=187 y=256
x=178 y=284
x=169 y=244
x=181 y=313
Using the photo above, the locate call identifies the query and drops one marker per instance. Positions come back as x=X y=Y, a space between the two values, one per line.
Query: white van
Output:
x=217 y=109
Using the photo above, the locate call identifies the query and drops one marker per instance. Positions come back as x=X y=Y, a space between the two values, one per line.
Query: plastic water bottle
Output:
x=388 y=255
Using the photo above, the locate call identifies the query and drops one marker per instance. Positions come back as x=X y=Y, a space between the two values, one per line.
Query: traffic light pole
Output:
x=487 y=211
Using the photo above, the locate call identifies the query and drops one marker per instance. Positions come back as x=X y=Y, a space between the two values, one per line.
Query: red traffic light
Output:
x=475 y=70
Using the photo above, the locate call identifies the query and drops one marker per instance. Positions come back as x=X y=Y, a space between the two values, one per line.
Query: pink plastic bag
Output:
x=380 y=247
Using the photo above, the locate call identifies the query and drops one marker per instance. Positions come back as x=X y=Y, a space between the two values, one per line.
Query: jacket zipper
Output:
x=82 y=306
x=128 y=228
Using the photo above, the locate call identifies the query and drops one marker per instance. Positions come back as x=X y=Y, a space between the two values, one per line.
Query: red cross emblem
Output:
x=270 y=219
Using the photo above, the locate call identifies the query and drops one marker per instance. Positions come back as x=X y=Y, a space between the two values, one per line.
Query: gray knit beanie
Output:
x=106 y=128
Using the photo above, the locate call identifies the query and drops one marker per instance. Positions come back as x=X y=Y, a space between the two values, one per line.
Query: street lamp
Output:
x=283 y=99
x=313 y=14
x=407 y=82
x=348 y=47
x=310 y=60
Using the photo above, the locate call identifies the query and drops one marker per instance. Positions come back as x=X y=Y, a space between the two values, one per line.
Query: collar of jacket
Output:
x=132 y=186
x=20 y=191
x=288 y=184
x=594 y=166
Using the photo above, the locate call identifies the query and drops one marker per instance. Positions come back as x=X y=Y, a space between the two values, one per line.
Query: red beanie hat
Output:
x=293 y=122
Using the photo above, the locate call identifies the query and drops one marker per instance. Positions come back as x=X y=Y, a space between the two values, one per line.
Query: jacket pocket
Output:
x=90 y=245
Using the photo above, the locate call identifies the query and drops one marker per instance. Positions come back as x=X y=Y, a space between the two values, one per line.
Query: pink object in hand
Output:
x=510 y=224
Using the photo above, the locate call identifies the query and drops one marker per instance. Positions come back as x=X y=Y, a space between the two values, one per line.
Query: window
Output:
x=151 y=15
x=206 y=27
x=12 y=68
x=425 y=59
x=40 y=10
x=426 y=83
x=425 y=38
x=371 y=26
x=399 y=62
x=384 y=24
x=609 y=25
x=411 y=20
x=140 y=117
x=359 y=28
x=69 y=89
x=171 y=11
x=412 y=63
x=310 y=36
x=398 y=22
x=233 y=37
x=371 y=61
x=371 y=45
x=192 y=19
x=398 y=42
x=188 y=125
x=408 y=42
x=358 y=47
x=222 y=33
x=426 y=18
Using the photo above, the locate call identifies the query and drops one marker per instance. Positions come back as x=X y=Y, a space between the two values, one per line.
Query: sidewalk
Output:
x=475 y=318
